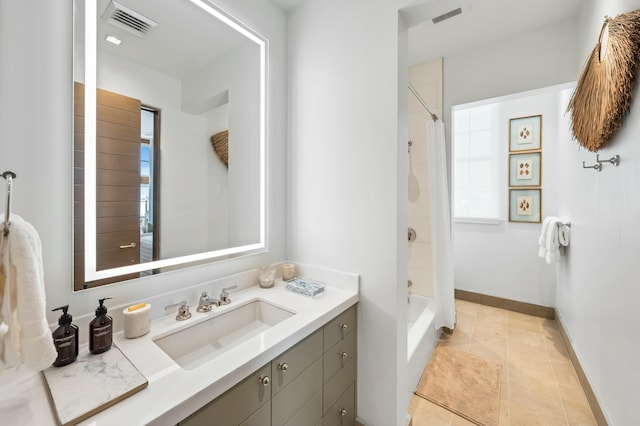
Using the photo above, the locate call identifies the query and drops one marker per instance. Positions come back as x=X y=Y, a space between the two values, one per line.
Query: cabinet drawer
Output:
x=342 y=413
x=235 y=405
x=296 y=394
x=339 y=327
x=338 y=356
x=338 y=384
x=262 y=417
x=310 y=413
x=287 y=366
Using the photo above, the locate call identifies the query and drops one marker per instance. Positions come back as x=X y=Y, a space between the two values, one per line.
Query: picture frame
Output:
x=525 y=170
x=525 y=205
x=525 y=133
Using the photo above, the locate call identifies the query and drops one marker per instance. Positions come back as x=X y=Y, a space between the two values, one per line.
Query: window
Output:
x=476 y=170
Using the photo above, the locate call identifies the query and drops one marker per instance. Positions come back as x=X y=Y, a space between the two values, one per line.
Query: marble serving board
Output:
x=91 y=384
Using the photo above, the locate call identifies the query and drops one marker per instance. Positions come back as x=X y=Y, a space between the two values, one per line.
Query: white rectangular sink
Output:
x=193 y=346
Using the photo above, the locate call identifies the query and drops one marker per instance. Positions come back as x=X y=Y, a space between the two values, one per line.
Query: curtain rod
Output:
x=419 y=98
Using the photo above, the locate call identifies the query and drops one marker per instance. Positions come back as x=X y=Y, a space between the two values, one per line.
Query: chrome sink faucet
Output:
x=206 y=304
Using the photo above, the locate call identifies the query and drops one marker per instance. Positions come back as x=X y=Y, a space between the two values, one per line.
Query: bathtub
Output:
x=422 y=337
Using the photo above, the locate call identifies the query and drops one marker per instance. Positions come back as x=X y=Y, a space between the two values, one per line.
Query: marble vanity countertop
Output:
x=174 y=393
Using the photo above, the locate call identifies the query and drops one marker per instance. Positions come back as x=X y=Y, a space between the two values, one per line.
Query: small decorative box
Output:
x=305 y=287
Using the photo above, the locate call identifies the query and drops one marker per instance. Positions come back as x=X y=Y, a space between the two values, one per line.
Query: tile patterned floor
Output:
x=539 y=385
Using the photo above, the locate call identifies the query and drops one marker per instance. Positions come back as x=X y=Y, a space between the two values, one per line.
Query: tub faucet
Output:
x=206 y=304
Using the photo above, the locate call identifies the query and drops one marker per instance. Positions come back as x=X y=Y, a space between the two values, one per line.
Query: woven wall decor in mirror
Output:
x=220 y=142
x=604 y=91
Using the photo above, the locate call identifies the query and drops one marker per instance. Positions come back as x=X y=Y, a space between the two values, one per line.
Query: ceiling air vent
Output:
x=129 y=20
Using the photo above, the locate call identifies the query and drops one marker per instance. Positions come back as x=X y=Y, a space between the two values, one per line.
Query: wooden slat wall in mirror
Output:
x=118 y=183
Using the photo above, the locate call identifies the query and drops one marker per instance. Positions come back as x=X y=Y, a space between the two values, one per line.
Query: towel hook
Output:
x=8 y=176
x=596 y=166
x=615 y=161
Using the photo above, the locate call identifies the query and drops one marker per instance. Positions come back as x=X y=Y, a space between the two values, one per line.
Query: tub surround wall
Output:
x=36 y=143
x=597 y=291
x=427 y=80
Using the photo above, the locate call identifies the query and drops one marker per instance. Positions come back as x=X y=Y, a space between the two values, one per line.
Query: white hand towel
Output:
x=542 y=241
x=28 y=338
x=553 y=248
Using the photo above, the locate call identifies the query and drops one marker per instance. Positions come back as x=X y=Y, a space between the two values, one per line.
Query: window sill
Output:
x=479 y=220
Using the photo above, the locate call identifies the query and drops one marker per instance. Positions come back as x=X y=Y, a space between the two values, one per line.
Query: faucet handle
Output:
x=183 y=310
x=224 y=296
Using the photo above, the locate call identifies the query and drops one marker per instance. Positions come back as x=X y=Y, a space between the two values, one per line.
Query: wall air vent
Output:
x=129 y=20
x=447 y=15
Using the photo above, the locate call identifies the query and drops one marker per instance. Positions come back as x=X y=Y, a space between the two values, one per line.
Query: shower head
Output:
x=447 y=15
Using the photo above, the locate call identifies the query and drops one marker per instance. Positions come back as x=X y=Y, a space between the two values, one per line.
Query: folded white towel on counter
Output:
x=26 y=337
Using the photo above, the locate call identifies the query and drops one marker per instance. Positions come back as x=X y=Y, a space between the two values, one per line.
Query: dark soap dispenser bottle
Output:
x=100 y=330
x=65 y=338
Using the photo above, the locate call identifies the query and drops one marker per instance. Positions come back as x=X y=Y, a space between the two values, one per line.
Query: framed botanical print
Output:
x=525 y=133
x=525 y=205
x=525 y=170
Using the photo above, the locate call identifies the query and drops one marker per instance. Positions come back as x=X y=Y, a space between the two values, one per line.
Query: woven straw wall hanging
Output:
x=220 y=142
x=605 y=87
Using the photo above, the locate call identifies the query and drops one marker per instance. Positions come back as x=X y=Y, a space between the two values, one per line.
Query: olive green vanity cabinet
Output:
x=339 y=372
x=312 y=383
x=297 y=376
x=238 y=405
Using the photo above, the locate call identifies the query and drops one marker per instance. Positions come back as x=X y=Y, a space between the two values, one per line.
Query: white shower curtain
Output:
x=441 y=239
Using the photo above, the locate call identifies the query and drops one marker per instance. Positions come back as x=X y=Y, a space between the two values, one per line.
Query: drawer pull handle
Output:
x=264 y=380
x=343 y=355
x=130 y=245
x=283 y=366
x=343 y=326
x=342 y=412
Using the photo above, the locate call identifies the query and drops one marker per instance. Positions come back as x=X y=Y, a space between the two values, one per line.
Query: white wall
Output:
x=36 y=143
x=426 y=78
x=348 y=206
x=496 y=259
x=502 y=259
x=597 y=284
x=185 y=157
x=541 y=58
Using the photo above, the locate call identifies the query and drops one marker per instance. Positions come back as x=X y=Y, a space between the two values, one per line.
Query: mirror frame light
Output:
x=90 y=272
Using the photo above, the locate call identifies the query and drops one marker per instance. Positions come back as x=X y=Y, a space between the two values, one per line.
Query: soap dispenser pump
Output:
x=100 y=330
x=65 y=338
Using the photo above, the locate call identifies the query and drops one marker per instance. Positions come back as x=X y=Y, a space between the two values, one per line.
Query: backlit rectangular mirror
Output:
x=169 y=138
